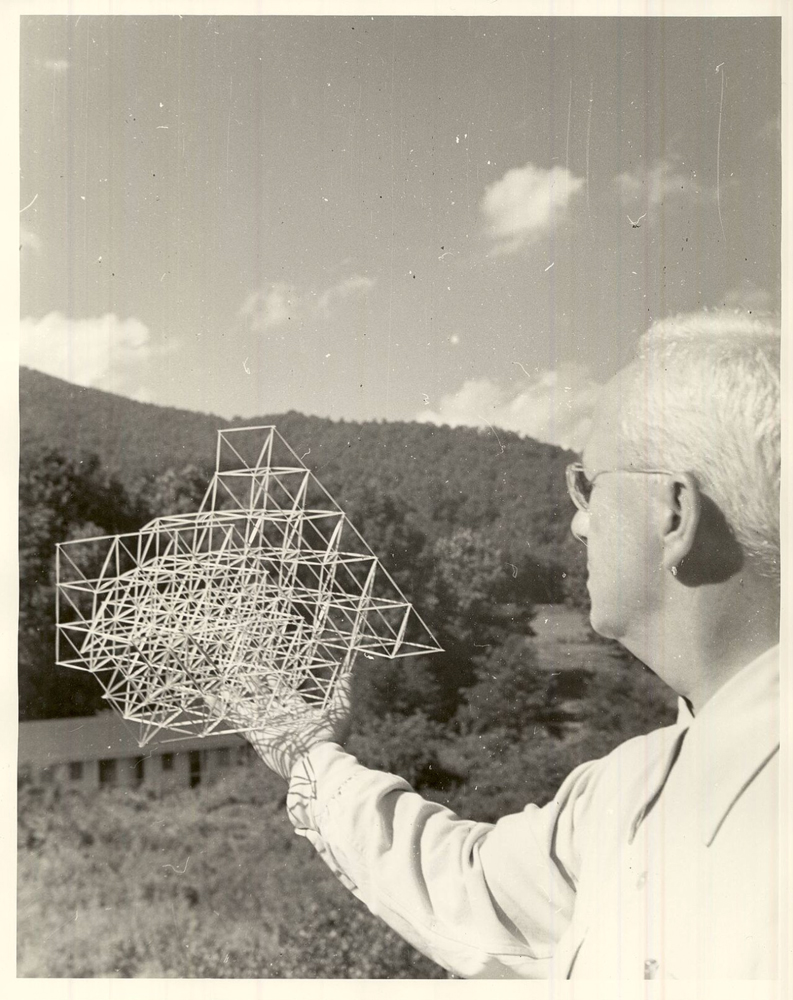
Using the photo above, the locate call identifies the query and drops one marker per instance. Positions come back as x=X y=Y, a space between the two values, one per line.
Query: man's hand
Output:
x=287 y=735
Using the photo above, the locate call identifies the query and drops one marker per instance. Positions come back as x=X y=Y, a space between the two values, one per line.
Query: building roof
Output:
x=46 y=742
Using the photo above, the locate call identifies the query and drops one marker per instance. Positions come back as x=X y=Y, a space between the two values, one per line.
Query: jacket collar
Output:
x=731 y=738
x=717 y=752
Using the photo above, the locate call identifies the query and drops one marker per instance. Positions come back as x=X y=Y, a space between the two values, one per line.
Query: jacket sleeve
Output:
x=482 y=900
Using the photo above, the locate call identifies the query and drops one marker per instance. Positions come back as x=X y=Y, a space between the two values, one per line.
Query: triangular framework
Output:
x=265 y=593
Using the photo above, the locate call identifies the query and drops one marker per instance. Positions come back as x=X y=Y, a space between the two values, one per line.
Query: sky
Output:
x=459 y=220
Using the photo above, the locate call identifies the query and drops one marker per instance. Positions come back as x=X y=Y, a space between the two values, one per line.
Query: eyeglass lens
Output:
x=583 y=486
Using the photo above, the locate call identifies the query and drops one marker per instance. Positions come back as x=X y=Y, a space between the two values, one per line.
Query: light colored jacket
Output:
x=657 y=861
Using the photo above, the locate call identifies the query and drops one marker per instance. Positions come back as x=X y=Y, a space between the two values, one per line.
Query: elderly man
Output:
x=660 y=860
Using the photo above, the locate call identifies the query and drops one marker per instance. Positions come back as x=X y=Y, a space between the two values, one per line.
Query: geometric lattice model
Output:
x=265 y=593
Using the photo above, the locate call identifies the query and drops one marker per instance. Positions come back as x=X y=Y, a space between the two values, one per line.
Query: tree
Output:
x=411 y=747
x=399 y=687
x=472 y=596
x=465 y=594
x=512 y=692
x=389 y=526
x=173 y=492
x=59 y=499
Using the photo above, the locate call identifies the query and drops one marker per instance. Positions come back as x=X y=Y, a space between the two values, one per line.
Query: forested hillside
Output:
x=129 y=438
x=448 y=477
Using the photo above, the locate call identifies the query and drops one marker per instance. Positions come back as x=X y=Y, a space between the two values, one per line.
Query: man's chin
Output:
x=603 y=625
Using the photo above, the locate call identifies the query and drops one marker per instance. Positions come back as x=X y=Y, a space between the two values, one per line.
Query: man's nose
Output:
x=580 y=525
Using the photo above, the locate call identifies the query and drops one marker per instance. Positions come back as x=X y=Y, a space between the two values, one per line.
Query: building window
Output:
x=76 y=770
x=107 y=772
x=167 y=762
x=222 y=756
x=140 y=770
x=195 y=768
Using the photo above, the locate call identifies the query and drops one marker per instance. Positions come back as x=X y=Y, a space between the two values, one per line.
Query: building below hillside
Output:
x=100 y=751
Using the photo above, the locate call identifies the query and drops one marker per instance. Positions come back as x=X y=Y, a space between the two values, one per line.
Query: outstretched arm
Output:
x=482 y=900
x=489 y=901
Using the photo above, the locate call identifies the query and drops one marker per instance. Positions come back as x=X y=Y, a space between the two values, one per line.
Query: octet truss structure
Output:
x=266 y=593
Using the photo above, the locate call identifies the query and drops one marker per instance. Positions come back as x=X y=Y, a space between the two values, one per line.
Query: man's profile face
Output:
x=623 y=551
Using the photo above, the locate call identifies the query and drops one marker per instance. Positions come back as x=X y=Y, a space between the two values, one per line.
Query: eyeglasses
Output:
x=579 y=485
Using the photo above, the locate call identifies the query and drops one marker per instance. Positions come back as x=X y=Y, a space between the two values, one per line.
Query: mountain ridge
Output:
x=443 y=478
x=152 y=438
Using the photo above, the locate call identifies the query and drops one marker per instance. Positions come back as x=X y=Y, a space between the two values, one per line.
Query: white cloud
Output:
x=142 y=394
x=279 y=303
x=271 y=307
x=356 y=284
x=58 y=66
x=643 y=187
x=525 y=202
x=725 y=321
x=103 y=352
x=554 y=406
x=750 y=296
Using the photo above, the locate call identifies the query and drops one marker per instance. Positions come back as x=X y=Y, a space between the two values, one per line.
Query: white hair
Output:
x=705 y=400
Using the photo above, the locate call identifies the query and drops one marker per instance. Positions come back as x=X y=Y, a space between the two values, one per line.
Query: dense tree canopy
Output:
x=60 y=499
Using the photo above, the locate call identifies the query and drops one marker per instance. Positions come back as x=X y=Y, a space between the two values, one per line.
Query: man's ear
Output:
x=682 y=513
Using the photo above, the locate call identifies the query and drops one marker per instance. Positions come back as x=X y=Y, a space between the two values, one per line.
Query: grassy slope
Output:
x=208 y=884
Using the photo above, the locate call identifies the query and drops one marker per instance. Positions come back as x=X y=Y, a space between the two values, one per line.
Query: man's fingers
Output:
x=269 y=708
x=213 y=703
